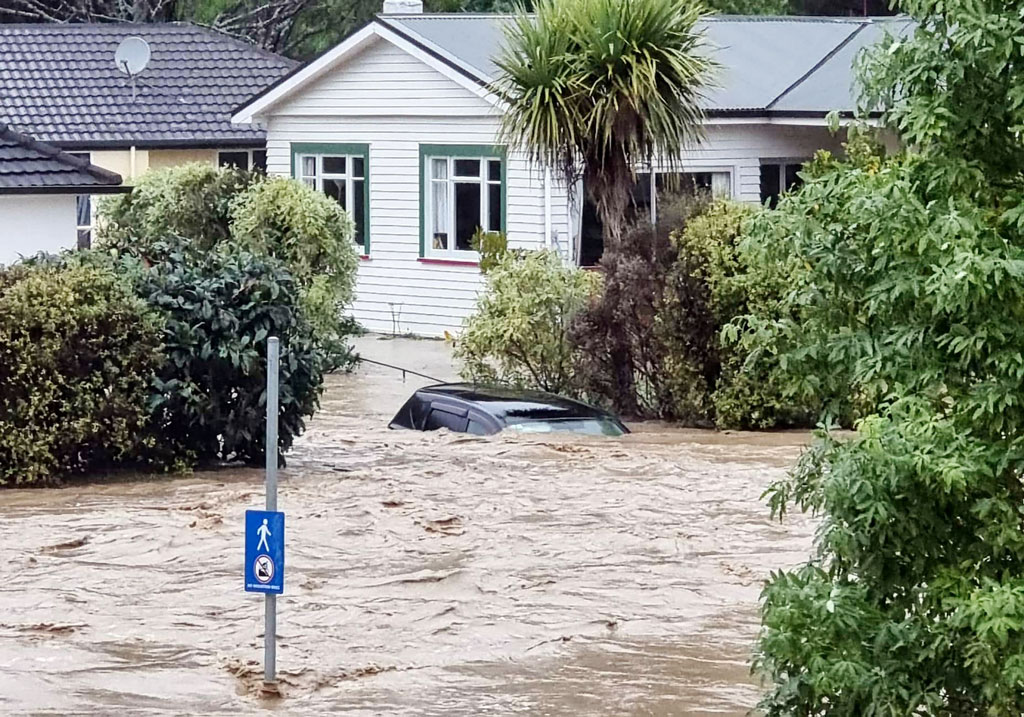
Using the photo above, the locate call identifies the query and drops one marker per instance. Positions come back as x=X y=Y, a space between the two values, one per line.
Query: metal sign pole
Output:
x=270 y=627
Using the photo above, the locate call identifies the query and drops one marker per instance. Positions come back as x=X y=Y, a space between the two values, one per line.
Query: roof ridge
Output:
x=817 y=66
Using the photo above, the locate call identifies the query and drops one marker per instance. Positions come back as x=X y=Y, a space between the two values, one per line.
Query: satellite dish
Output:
x=132 y=56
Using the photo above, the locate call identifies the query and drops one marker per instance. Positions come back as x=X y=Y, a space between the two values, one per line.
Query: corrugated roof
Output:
x=59 y=84
x=831 y=84
x=27 y=165
x=765 y=61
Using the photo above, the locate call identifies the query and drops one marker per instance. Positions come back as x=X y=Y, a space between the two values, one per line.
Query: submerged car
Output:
x=486 y=410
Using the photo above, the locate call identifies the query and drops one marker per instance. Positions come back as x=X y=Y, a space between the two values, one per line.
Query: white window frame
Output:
x=485 y=182
x=317 y=179
x=717 y=169
x=90 y=228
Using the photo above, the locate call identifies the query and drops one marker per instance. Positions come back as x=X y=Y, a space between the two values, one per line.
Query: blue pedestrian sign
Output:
x=264 y=551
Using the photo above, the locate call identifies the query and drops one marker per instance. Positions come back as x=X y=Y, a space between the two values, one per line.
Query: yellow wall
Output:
x=120 y=160
x=163 y=158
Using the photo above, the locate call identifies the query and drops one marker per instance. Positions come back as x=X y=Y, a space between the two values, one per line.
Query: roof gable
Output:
x=60 y=85
x=301 y=79
x=30 y=166
x=383 y=79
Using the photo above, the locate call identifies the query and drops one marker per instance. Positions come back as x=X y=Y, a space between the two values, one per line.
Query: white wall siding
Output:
x=391 y=101
x=384 y=80
x=34 y=223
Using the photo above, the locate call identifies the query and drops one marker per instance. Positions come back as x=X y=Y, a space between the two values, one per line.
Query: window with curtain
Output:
x=341 y=177
x=464 y=194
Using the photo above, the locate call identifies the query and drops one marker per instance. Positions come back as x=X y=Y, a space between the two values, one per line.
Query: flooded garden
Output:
x=427 y=573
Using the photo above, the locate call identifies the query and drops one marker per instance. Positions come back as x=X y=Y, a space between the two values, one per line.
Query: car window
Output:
x=440 y=418
x=589 y=426
x=477 y=428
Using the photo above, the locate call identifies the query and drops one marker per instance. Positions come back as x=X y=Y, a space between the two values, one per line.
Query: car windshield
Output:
x=588 y=426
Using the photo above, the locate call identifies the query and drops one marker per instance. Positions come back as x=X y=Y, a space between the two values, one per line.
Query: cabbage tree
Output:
x=594 y=89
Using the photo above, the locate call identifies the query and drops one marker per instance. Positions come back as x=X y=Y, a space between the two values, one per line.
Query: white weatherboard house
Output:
x=398 y=125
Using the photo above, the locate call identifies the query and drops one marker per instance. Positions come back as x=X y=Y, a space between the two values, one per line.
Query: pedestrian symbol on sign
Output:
x=264 y=532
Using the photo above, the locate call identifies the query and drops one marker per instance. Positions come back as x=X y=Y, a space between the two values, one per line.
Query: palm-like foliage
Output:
x=596 y=88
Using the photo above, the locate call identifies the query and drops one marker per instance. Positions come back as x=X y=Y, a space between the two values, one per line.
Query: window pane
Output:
x=358 y=167
x=335 y=189
x=239 y=160
x=439 y=215
x=84 y=238
x=770 y=185
x=494 y=170
x=792 y=180
x=443 y=419
x=699 y=181
x=467 y=167
x=309 y=166
x=439 y=168
x=334 y=165
x=721 y=184
x=359 y=210
x=83 y=207
x=259 y=160
x=309 y=182
x=640 y=194
x=467 y=214
x=494 y=207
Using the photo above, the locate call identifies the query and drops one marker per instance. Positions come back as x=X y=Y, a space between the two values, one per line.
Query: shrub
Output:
x=491 y=246
x=519 y=331
x=712 y=282
x=191 y=201
x=311 y=234
x=208 y=400
x=77 y=356
x=624 y=360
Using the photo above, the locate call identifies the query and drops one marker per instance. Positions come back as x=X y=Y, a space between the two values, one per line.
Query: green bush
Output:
x=278 y=217
x=519 y=331
x=311 y=234
x=78 y=353
x=711 y=283
x=208 y=400
x=191 y=201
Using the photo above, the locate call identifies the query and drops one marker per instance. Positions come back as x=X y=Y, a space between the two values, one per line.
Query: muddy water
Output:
x=427 y=574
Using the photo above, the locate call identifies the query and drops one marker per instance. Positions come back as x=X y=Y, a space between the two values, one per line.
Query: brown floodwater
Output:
x=427 y=574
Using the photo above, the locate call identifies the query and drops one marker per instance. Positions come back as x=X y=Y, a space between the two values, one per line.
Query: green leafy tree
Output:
x=914 y=292
x=595 y=88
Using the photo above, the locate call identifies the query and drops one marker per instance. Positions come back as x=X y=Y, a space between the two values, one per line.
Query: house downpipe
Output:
x=547 y=208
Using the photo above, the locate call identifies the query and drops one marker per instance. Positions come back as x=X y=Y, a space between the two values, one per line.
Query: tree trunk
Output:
x=608 y=184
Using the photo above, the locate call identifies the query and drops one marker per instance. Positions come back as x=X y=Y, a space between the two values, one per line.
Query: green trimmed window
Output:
x=342 y=172
x=463 y=190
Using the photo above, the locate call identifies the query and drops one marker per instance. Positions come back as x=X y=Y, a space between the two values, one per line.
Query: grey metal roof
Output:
x=785 y=65
x=59 y=84
x=28 y=166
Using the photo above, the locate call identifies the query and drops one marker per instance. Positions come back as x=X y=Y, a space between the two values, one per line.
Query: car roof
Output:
x=508 y=403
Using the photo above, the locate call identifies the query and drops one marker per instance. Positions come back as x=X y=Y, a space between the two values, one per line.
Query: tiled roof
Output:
x=28 y=166
x=781 y=65
x=59 y=84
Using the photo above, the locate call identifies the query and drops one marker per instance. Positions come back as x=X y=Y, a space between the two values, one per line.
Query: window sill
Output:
x=449 y=262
